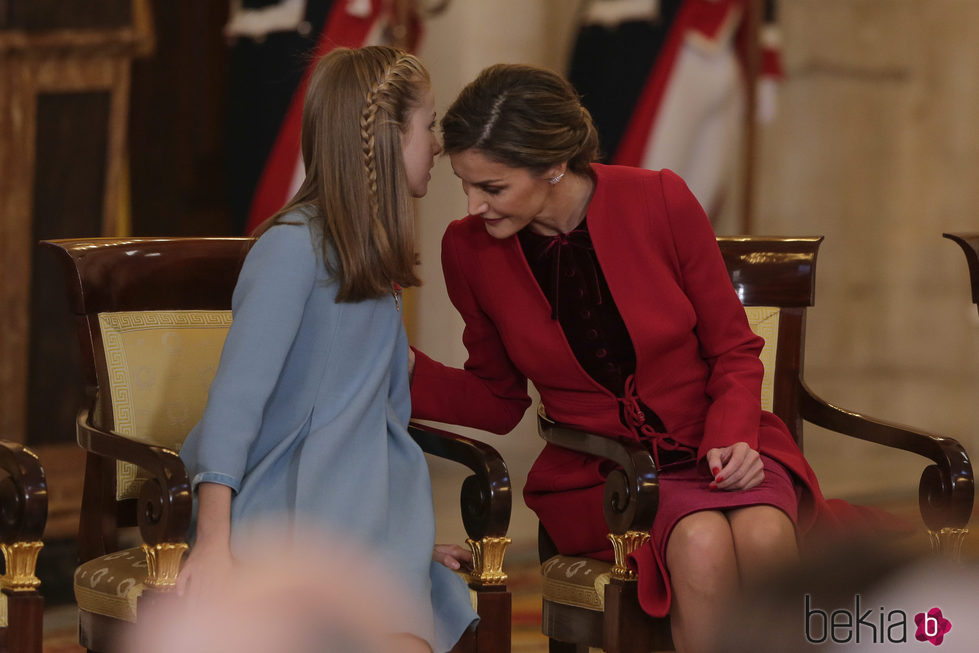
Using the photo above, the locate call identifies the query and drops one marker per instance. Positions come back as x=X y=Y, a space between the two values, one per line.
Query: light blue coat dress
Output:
x=307 y=419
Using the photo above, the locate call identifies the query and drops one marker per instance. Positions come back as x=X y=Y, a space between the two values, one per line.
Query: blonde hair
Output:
x=356 y=109
x=523 y=117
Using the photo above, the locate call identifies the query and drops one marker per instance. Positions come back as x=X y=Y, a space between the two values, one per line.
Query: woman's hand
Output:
x=453 y=556
x=737 y=467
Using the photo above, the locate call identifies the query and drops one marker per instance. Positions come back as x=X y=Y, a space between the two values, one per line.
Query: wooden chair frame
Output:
x=138 y=274
x=23 y=513
x=969 y=242
x=765 y=272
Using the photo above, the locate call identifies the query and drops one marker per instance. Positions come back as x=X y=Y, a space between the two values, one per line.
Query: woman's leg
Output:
x=764 y=539
x=704 y=575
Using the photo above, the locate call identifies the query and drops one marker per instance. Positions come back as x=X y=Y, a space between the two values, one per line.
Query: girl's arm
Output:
x=208 y=567
x=268 y=305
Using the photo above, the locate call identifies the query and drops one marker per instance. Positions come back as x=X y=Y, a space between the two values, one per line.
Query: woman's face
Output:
x=507 y=199
x=419 y=144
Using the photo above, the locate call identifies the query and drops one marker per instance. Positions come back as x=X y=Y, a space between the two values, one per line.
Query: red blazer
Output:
x=697 y=358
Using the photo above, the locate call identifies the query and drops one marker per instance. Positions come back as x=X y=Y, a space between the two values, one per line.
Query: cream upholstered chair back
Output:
x=764 y=322
x=159 y=367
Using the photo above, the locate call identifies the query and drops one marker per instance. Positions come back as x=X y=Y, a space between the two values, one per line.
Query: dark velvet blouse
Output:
x=567 y=270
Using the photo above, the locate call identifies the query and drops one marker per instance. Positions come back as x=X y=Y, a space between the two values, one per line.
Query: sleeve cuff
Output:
x=215 y=477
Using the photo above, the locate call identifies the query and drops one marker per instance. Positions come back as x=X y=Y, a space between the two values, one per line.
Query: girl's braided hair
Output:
x=355 y=114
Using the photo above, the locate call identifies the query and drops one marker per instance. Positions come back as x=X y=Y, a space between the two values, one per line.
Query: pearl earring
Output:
x=554 y=180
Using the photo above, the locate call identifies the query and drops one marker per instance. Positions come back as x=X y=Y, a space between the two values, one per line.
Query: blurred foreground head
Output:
x=859 y=596
x=315 y=594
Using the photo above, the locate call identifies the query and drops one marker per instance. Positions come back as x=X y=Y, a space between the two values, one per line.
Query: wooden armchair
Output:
x=969 y=242
x=152 y=315
x=775 y=279
x=23 y=512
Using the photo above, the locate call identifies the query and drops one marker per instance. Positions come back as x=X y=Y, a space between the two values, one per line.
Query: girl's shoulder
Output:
x=293 y=240
x=299 y=225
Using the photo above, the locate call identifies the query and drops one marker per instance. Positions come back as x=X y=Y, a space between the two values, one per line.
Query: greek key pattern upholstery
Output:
x=160 y=367
x=111 y=584
x=764 y=322
x=576 y=581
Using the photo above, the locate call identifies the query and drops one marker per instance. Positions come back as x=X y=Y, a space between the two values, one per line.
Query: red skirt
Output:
x=683 y=490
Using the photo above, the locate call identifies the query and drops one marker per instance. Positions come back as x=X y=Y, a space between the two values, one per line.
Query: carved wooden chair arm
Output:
x=23 y=514
x=969 y=242
x=631 y=490
x=23 y=494
x=947 y=488
x=165 y=503
x=485 y=497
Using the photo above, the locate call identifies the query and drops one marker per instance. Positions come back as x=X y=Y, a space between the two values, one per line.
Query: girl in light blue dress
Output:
x=306 y=420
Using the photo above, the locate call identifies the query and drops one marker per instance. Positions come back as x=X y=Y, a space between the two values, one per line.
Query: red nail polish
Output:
x=712 y=486
x=714 y=470
x=718 y=479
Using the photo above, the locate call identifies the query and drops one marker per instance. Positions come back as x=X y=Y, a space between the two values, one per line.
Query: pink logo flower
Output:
x=932 y=626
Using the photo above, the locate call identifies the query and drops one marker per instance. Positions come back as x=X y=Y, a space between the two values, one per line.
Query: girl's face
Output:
x=419 y=144
x=507 y=199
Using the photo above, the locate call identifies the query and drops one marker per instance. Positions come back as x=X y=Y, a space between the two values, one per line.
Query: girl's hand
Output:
x=208 y=567
x=453 y=556
x=206 y=572
x=737 y=467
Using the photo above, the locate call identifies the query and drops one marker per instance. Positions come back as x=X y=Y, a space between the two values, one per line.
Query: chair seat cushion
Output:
x=110 y=585
x=579 y=582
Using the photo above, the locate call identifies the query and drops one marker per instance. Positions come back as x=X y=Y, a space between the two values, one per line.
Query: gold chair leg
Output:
x=163 y=564
x=21 y=560
x=488 y=560
x=948 y=542
x=623 y=545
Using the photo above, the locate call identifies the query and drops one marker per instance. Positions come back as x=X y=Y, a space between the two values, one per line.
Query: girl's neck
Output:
x=567 y=205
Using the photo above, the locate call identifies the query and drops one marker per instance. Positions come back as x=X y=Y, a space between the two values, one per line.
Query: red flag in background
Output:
x=276 y=43
x=665 y=83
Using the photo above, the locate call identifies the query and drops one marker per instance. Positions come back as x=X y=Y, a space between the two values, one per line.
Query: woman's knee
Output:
x=702 y=540
x=763 y=530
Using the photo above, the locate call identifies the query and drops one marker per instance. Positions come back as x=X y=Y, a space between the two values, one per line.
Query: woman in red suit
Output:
x=604 y=286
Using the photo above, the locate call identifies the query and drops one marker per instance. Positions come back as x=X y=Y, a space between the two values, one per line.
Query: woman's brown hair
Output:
x=356 y=109
x=524 y=117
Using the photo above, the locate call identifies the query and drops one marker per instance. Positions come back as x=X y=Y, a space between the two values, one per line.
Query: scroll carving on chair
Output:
x=23 y=514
